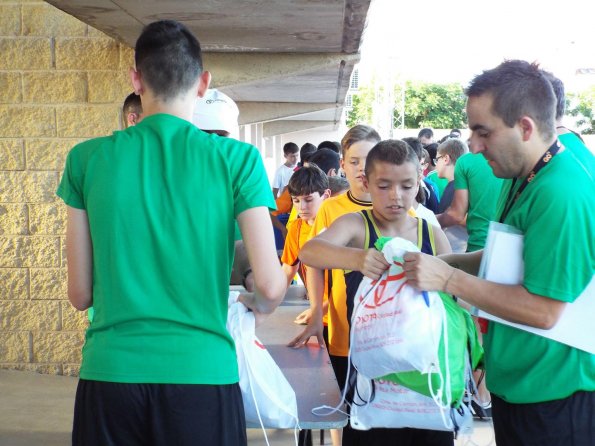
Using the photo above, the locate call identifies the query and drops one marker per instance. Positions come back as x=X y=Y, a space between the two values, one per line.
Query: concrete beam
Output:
x=233 y=69
x=252 y=112
x=274 y=128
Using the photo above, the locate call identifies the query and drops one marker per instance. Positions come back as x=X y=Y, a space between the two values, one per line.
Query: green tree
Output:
x=434 y=105
x=361 y=107
x=582 y=107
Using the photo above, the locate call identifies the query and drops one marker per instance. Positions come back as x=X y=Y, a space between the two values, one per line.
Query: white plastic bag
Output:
x=394 y=406
x=269 y=399
x=395 y=328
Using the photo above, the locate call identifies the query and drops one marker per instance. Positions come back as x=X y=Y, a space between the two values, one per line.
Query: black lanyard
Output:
x=546 y=158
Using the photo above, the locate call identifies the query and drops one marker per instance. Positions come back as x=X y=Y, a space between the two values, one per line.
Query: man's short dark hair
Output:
x=326 y=159
x=518 y=88
x=333 y=145
x=426 y=133
x=168 y=57
x=290 y=147
x=415 y=145
x=392 y=151
x=306 y=151
x=356 y=134
x=307 y=180
x=558 y=87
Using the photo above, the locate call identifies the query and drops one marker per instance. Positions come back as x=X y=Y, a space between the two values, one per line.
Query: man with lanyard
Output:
x=543 y=391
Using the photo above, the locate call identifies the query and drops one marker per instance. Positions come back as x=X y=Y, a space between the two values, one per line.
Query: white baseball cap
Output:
x=216 y=111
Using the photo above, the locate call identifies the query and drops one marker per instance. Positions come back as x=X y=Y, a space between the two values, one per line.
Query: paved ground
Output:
x=37 y=410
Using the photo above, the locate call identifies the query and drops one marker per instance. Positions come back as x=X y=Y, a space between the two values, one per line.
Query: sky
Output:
x=451 y=41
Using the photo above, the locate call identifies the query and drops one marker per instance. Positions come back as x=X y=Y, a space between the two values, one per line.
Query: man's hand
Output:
x=249 y=302
x=426 y=272
x=373 y=263
x=314 y=328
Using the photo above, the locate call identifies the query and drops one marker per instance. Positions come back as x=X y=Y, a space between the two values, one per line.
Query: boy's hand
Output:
x=373 y=263
x=314 y=328
x=304 y=317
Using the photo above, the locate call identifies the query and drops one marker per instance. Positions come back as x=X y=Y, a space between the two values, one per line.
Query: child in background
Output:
x=356 y=144
x=393 y=176
x=308 y=187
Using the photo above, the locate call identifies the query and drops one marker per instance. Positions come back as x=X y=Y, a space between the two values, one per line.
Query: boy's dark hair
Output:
x=425 y=133
x=333 y=145
x=356 y=134
x=168 y=57
x=558 y=87
x=393 y=151
x=307 y=180
x=415 y=145
x=518 y=88
x=338 y=184
x=290 y=147
x=454 y=148
x=432 y=150
x=326 y=159
x=306 y=151
x=132 y=104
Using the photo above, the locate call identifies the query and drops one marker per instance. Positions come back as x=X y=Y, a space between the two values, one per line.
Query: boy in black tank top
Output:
x=393 y=174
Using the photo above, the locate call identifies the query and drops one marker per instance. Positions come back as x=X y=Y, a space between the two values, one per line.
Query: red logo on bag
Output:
x=258 y=344
x=379 y=293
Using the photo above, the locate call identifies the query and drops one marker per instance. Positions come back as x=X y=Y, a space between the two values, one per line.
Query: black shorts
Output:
x=566 y=422
x=118 y=414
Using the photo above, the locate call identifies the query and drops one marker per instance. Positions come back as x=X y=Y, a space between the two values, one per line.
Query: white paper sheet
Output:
x=502 y=262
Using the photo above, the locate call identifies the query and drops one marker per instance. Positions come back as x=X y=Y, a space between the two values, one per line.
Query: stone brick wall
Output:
x=61 y=82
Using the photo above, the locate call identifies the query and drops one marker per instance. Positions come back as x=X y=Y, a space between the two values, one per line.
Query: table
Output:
x=307 y=369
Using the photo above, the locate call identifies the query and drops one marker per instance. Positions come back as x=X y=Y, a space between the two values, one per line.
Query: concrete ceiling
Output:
x=288 y=60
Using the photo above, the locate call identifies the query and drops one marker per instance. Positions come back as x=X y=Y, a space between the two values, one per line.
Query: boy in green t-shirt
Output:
x=150 y=239
x=543 y=391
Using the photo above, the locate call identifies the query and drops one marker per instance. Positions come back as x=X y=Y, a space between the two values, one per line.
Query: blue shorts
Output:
x=115 y=414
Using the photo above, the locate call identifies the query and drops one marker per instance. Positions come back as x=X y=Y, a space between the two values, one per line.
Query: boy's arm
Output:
x=315 y=287
x=290 y=272
x=441 y=242
x=277 y=224
x=456 y=214
x=341 y=247
x=79 y=253
x=269 y=280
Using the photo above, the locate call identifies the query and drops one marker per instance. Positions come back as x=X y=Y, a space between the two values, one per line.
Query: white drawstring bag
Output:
x=269 y=399
x=395 y=327
x=383 y=403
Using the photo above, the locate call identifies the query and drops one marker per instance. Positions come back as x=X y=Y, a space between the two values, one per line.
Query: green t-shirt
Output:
x=473 y=173
x=161 y=198
x=579 y=150
x=440 y=182
x=555 y=214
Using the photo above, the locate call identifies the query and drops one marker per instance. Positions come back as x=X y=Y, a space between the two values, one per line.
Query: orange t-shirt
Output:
x=298 y=233
x=284 y=203
x=338 y=325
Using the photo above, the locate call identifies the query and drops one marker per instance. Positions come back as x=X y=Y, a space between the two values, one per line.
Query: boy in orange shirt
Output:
x=308 y=188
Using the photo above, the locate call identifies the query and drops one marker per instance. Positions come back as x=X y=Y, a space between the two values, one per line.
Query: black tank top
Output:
x=425 y=242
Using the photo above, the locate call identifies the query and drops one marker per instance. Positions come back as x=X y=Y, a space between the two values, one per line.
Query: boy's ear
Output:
x=203 y=83
x=332 y=172
x=326 y=194
x=365 y=182
x=136 y=80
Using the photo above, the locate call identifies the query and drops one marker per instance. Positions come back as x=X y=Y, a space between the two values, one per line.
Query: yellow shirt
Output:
x=338 y=326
